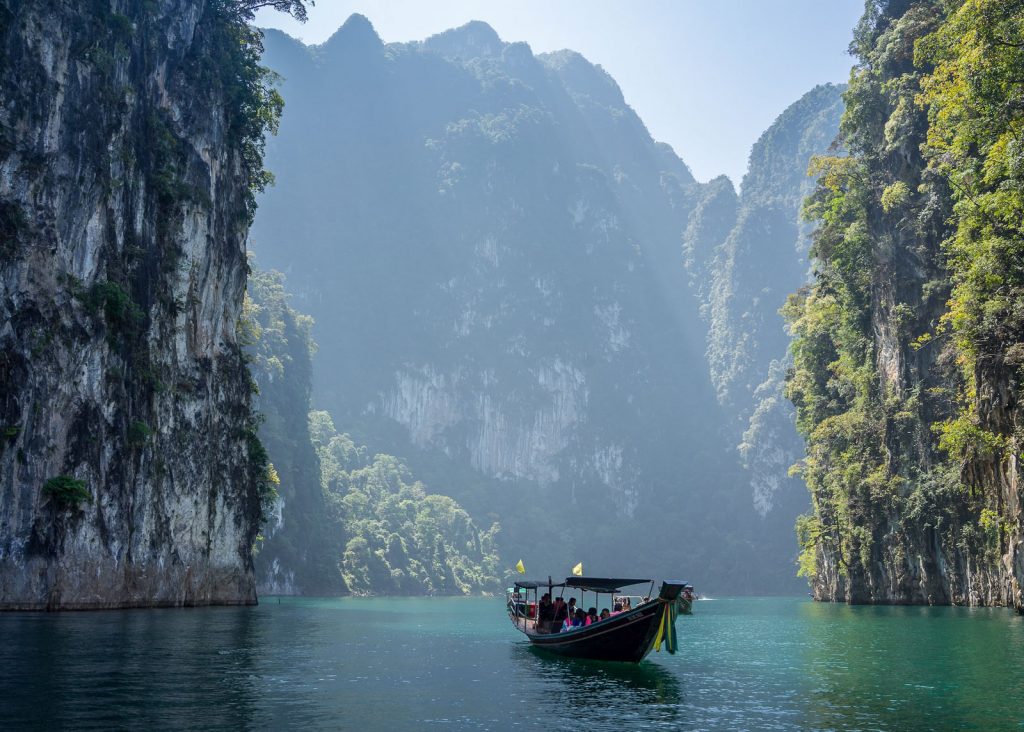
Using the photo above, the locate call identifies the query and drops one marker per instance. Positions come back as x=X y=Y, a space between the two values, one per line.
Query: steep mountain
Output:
x=907 y=351
x=744 y=255
x=130 y=135
x=488 y=241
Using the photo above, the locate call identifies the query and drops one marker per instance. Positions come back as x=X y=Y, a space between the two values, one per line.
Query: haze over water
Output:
x=455 y=663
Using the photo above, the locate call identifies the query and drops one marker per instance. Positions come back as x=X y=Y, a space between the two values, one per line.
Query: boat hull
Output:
x=627 y=636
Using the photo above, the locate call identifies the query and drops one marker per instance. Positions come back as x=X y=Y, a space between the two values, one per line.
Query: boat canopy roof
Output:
x=530 y=585
x=587 y=584
x=602 y=584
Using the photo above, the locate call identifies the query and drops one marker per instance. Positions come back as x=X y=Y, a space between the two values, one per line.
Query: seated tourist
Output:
x=616 y=608
x=545 y=614
x=627 y=604
x=561 y=613
x=604 y=614
x=576 y=620
x=592 y=615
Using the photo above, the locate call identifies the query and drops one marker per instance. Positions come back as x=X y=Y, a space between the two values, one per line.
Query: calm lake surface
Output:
x=456 y=663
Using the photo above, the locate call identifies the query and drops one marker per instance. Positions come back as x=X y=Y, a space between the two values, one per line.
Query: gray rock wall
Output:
x=122 y=268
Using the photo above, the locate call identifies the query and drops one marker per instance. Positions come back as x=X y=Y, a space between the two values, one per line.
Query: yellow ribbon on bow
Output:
x=667 y=630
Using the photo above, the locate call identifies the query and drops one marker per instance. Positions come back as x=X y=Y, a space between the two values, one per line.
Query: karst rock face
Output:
x=123 y=198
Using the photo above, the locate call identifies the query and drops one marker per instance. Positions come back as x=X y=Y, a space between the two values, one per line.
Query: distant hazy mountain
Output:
x=489 y=244
x=744 y=255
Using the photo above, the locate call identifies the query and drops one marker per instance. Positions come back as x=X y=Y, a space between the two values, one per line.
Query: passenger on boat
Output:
x=572 y=607
x=561 y=613
x=577 y=620
x=627 y=604
x=592 y=615
x=604 y=614
x=545 y=614
x=616 y=608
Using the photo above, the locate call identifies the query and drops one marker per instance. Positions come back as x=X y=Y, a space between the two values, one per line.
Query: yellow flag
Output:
x=520 y=568
x=577 y=571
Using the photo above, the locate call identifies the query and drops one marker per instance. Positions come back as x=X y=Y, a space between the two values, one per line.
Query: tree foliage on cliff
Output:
x=905 y=385
x=298 y=552
x=975 y=97
x=254 y=103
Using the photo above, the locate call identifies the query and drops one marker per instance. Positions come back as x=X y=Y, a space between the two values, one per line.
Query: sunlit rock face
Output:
x=121 y=276
x=505 y=440
x=489 y=242
x=744 y=255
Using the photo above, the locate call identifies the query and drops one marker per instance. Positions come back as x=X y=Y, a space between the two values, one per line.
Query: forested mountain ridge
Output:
x=489 y=242
x=907 y=345
x=130 y=151
x=403 y=540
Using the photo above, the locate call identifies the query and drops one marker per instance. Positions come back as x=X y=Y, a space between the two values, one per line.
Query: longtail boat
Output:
x=628 y=635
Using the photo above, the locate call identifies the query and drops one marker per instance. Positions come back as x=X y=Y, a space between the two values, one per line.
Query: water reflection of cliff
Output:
x=160 y=669
x=906 y=667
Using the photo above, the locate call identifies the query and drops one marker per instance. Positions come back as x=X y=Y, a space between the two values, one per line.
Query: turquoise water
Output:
x=456 y=663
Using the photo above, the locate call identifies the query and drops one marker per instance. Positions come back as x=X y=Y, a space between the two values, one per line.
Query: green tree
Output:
x=974 y=98
x=404 y=540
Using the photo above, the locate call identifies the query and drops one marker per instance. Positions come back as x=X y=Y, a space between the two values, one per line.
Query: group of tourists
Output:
x=559 y=616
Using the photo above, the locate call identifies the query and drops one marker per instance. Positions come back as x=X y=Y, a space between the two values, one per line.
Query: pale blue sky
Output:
x=706 y=76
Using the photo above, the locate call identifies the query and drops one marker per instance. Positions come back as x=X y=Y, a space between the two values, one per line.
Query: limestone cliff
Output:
x=129 y=469
x=908 y=345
